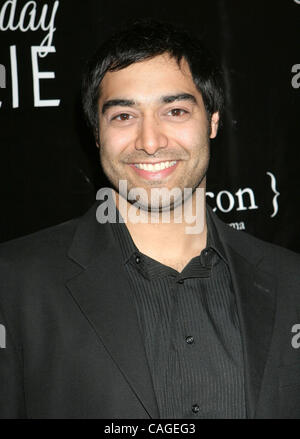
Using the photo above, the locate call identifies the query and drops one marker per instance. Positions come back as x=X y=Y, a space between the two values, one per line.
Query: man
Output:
x=149 y=316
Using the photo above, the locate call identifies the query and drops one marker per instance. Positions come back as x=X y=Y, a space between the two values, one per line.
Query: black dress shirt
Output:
x=190 y=328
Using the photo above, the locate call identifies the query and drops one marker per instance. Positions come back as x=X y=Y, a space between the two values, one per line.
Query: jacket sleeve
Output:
x=11 y=376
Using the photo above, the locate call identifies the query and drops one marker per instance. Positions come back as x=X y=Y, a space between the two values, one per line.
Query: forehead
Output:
x=148 y=79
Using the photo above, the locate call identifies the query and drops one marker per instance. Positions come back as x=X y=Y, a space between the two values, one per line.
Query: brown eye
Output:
x=177 y=112
x=123 y=116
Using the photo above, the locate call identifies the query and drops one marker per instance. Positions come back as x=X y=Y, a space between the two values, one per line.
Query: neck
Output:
x=172 y=240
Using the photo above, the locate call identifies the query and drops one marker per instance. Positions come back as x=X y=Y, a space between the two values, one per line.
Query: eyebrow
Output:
x=165 y=99
x=117 y=103
x=179 y=97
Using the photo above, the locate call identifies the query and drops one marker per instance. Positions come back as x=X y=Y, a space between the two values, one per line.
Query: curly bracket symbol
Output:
x=273 y=186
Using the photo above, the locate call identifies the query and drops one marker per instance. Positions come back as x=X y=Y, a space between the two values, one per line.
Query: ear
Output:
x=214 y=124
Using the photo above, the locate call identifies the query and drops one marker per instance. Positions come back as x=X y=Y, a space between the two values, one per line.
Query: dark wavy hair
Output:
x=142 y=40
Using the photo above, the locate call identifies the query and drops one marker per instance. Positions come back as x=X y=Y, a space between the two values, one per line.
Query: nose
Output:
x=151 y=136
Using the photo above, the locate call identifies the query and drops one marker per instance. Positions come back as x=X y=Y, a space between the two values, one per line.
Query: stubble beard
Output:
x=161 y=202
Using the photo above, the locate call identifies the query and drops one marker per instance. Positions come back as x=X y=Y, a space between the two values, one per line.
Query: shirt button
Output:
x=195 y=408
x=137 y=259
x=189 y=339
x=181 y=281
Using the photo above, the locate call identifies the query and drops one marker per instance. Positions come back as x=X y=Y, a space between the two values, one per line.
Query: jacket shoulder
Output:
x=275 y=257
x=49 y=241
x=255 y=249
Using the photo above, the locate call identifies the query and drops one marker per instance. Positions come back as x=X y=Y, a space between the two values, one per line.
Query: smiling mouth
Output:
x=155 y=167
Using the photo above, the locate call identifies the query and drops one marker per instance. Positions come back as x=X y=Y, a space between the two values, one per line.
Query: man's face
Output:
x=153 y=126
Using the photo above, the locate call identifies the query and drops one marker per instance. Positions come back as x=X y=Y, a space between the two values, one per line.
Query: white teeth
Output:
x=155 y=167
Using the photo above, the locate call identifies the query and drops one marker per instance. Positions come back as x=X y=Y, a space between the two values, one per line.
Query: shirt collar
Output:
x=213 y=238
x=123 y=237
x=128 y=247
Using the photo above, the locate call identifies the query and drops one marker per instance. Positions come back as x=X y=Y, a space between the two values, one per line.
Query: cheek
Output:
x=114 y=142
x=190 y=136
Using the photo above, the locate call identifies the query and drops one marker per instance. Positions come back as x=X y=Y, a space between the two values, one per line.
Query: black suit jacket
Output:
x=73 y=345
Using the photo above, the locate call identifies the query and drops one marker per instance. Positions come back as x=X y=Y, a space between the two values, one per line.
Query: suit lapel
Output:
x=256 y=308
x=256 y=302
x=103 y=294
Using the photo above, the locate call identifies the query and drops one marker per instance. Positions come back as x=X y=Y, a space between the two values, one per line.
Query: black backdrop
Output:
x=49 y=164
